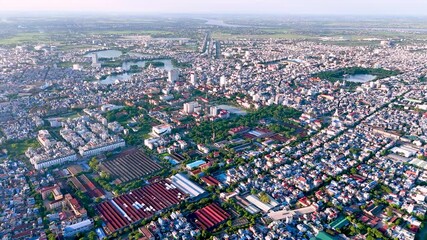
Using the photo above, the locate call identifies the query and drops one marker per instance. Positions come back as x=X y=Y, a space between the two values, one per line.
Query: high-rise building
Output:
x=191 y=107
x=173 y=75
x=76 y=67
x=95 y=62
x=223 y=81
x=193 y=79
x=213 y=111
x=94 y=58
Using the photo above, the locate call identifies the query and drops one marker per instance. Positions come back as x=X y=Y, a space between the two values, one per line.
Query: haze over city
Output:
x=263 y=7
x=194 y=120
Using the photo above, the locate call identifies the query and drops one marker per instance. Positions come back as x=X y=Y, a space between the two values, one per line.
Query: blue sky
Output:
x=318 y=7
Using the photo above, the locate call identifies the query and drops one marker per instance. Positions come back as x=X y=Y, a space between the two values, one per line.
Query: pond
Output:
x=113 y=78
x=105 y=54
x=221 y=23
x=168 y=64
x=360 y=78
x=126 y=66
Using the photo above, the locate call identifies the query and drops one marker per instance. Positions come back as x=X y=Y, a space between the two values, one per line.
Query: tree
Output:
x=253 y=191
x=104 y=175
x=353 y=230
x=93 y=163
x=389 y=212
x=263 y=197
x=361 y=227
x=92 y=235
x=50 y=196
x=229 y=223
x=51 y=236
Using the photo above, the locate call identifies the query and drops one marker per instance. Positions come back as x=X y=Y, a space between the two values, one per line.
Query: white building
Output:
x=76 y=67
x=187 y=186
x=87 y=151
x=191 y=107
x=95 y=62
x=45 y=163
x=161 y=130
x=222 y=81
x=152 y=143
x=74 y=229
x=173 y=75
x=213 y=111
x=203 y=149
x=193 y=79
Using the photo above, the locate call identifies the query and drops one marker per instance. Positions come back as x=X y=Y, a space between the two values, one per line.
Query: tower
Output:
x=95 y=62
x=94 y=58
x=173 y=75
x=223 y=81
x=193 y=78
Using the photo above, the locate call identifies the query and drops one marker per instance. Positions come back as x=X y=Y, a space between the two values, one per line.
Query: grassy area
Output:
x=70 y=114
x=268 y=34
x=75 y=47
x=18 y=148
x=154 y=63
x=278 y=114
x=177 y=64
x=112 y=64
x=65 y=64
x=338 y=75
x=152 y=33
x=422 y=234
x=25 y=38
x=350 y=43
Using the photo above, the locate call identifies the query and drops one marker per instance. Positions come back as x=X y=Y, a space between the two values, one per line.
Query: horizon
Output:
x=65 y=14
x=221 y=7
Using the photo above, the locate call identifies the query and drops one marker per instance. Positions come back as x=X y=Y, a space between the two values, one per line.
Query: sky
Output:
x=311 y=7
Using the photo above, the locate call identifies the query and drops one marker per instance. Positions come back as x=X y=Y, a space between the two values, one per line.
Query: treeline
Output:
x=338 y=75
x=154 y=63
x=134 y=69
x=203 y=133
x=123 y=114
x=177 y=64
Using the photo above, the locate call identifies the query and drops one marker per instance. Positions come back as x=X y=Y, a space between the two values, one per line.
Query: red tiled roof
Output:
x=138 y=204
x=210 y=216
x=211 y=181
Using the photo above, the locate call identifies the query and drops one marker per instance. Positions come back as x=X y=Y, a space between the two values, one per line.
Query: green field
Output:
x=75 y=47
x=25 y=38
x=272 y=34
x=338 y=75
x=422 y=234
x=18 y=148
x=133 y=32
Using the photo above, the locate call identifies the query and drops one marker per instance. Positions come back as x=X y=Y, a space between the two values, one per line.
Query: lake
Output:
x=360 y=78
x=116 y=53
x=105 y=54
x=221 y=23
x=126 y=66
x=113 y=78
x=168 y=64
